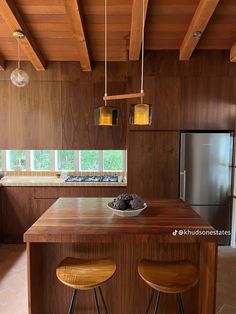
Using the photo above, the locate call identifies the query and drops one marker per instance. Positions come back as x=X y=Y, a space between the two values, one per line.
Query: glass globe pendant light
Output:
x=106 y=115
x=141 y=114
x=19 y=77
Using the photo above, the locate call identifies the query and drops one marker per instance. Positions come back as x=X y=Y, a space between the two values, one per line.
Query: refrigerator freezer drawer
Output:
x=217 y=216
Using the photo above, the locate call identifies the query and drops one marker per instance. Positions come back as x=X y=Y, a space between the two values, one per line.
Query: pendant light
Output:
x=106 y=115
x=141 y=114
x=19 y=77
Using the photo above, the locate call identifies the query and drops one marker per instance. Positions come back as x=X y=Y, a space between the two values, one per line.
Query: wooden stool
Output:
x=168 y=277
x=85 y=274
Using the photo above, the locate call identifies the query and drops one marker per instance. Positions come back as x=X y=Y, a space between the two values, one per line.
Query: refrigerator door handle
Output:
x=183 y=174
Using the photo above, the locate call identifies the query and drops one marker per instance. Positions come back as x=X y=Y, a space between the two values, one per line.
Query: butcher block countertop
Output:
x=87 y=219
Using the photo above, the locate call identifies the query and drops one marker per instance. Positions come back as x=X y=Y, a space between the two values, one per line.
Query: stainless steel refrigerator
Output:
x=205 y=176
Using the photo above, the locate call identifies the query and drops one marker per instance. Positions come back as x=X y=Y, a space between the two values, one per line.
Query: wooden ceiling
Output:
x=71 y=30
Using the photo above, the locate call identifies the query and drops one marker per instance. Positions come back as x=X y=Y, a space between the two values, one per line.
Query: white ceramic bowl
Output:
x=127 y=212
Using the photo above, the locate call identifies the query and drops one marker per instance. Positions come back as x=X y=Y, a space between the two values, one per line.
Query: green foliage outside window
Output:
x=112 y=160
x=89 y=160
x=41 y=160
x=66 y=160
x=17 y=159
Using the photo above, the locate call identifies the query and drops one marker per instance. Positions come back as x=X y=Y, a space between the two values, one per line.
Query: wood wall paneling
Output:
x=163 y=94
x=56 y=109
x=30 y=117
x=208 y=103
x=153 y=164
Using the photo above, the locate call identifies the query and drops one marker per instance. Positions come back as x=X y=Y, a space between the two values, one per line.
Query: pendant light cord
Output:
x=18 y=53
x=142 y=64
x=105 y=50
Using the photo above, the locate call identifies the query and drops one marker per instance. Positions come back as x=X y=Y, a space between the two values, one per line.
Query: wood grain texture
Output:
x=125 y=292
x=31 y=117
x=199 y=22
x=169 y=277
x=2 y=63
x=208 y=103
x=14 y=21
x=166 y=25
x=76 y=22
x=56 y=109
x=155 y=171
x=233 y=53
x=75 y=219
x=208 y=256
x=124 y=96
x=22 y=206
x=85 y=274
x=135 y=41
x=127 y=241
x=17 y=213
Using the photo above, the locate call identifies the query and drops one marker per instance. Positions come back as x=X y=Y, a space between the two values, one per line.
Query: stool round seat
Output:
x=84 y=274
x=169 y=277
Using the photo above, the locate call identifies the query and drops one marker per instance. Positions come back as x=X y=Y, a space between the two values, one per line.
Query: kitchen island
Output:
x=86 y=228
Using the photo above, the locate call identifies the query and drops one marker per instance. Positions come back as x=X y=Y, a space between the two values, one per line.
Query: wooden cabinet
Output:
x=17 y=212
x=22 y=206
x=153 y=164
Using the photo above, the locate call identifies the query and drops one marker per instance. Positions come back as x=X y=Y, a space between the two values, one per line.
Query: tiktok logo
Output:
x=174 y=233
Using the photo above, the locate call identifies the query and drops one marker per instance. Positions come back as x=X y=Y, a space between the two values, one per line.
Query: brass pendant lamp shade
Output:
x=106 y=115
x=141 y=114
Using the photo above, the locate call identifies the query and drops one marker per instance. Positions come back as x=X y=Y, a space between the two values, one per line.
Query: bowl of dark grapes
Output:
x=127 y=205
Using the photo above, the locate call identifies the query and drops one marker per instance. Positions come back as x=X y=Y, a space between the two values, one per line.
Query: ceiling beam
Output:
x=135 y=42
x=199 y=22
x=14 y=21
x=75 y=18
x=233 y=53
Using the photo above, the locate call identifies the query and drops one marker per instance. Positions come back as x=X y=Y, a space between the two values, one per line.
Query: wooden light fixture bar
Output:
x=198 y=24
x=135 y=42
x=233 y=53
x=76 y=22
x=14 y=21
x=123 y=96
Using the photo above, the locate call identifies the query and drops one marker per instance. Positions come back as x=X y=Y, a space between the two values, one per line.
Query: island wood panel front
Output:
x=85 y=227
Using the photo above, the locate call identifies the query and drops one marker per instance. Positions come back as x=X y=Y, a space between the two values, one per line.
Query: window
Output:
x=65 y=160
x=41 y=160
x=112 y=160
x=17 y=160
x=89 y=160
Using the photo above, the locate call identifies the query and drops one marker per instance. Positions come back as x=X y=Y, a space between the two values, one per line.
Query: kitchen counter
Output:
x=85 y=227
x=50 y=181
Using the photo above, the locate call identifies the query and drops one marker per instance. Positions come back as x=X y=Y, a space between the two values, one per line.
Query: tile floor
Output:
x=13 y=291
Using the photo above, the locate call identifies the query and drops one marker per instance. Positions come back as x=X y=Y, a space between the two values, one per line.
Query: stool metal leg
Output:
x=103 y=301
x=180 y=304
x=96 y=300
x=157 y=302
x=73 y=301
x=150 y=301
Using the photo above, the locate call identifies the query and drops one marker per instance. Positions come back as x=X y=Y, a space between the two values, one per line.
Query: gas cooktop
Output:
x=92 y=179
